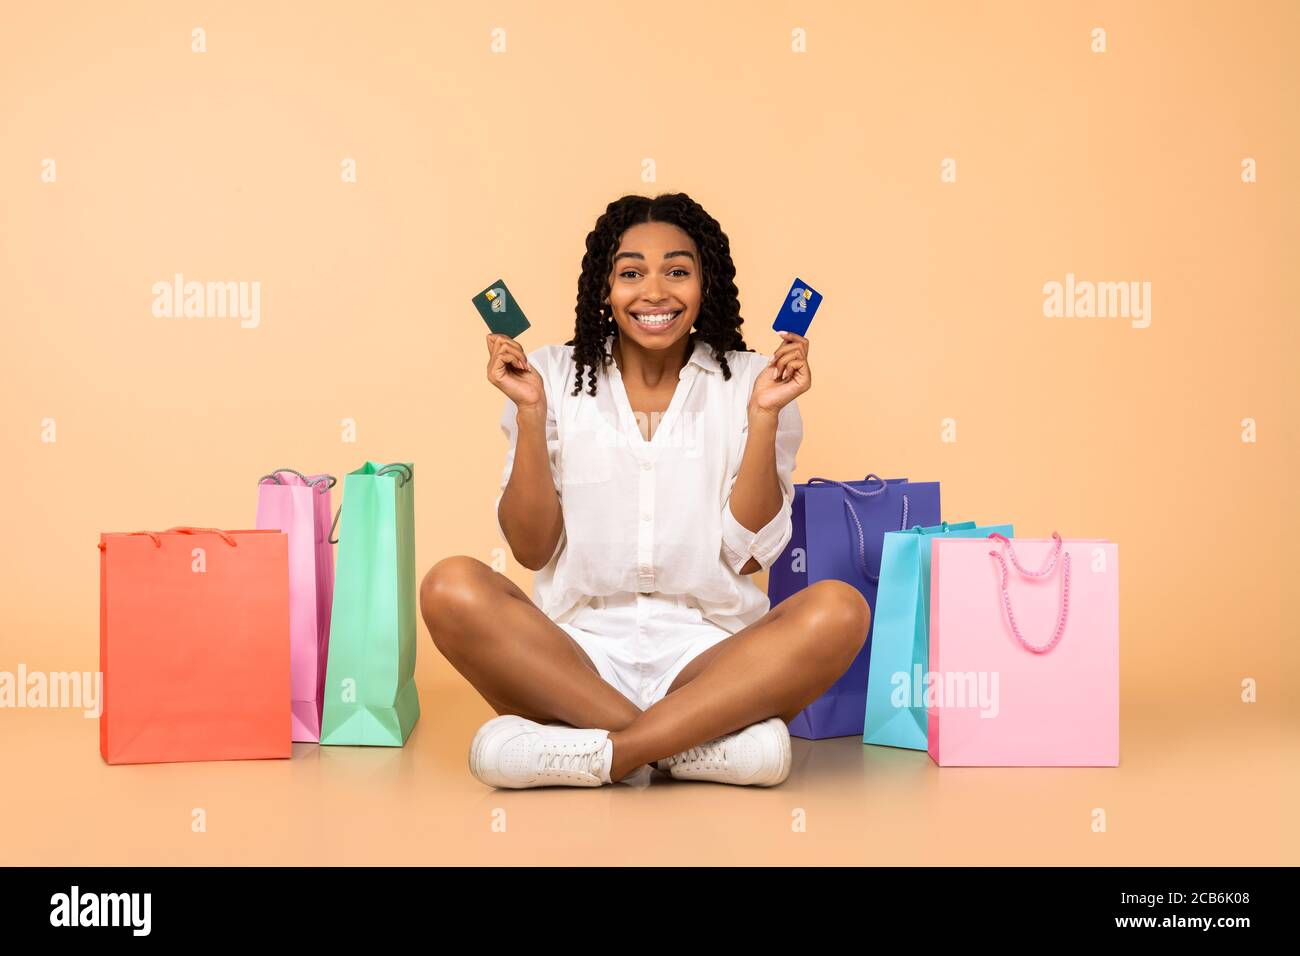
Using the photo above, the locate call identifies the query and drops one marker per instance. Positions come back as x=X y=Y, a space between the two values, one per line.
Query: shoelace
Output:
x=712 y=752
x=572 y=758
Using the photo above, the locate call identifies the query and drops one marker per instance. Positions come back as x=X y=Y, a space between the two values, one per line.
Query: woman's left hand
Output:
x=786 y=376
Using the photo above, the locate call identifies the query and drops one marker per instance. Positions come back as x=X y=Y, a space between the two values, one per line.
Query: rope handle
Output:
x=1051 y=563
x=187 y=529
x=404 y=471
x=855 y=524
x=156 y=536
x=311 y=482
x=861 y=493
x=404 y=475
x=852 y=516
x=919 y=529
x=1006 y=594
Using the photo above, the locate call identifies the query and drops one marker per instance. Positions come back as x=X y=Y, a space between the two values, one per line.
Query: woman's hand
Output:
x=509 y=370
x=786 y=376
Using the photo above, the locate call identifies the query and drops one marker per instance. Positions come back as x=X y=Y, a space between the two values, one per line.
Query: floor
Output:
x=1214 y=791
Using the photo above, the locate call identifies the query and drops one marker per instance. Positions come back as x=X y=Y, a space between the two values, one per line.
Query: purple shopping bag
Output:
x=300 y=506
x=838 y=534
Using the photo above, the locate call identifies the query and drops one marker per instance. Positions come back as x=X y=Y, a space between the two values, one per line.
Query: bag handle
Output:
x=310 y=482
x=187 y=529
x=920 y=529
x=1065 y=589
x=156 y=536
x=860 y=492
x=862 y=539
x=403 y=471
x=404 y=475
x=855 y=526
x=1047 y=569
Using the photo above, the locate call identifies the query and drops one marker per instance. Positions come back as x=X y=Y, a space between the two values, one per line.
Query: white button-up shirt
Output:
x=655 y=516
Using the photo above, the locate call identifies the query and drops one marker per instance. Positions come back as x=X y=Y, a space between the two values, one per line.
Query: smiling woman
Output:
x=648 y=474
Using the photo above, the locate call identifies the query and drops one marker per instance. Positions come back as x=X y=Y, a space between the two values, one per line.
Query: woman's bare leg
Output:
x=775 y=667
x=517 y=658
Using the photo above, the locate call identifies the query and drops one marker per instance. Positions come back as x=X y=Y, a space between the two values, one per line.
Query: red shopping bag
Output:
x=194 y=645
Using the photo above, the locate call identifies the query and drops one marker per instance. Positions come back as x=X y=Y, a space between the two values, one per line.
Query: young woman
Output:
x=648 y=477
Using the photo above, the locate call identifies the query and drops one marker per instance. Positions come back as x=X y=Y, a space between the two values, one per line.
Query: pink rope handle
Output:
x=1051 y=563
x=1006 y=594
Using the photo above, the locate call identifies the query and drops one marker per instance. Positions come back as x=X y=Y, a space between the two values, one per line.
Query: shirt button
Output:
x=645 y=516
x=645 y=569
x=645 y=466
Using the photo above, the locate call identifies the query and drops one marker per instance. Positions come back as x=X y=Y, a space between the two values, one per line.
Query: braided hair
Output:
x=718 y=323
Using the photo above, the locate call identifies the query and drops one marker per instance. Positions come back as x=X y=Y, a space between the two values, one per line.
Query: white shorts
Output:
x=641 y=642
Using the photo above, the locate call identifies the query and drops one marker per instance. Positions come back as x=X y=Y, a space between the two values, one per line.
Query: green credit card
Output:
x=500 y=311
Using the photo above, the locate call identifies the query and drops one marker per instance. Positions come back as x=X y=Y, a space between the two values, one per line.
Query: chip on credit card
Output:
x=499 y=309
x=798 y=309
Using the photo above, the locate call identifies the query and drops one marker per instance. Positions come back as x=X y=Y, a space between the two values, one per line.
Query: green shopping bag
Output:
x=370 y=696
x=900 y=650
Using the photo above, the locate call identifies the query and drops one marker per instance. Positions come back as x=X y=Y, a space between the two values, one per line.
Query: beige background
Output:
x=225 y=165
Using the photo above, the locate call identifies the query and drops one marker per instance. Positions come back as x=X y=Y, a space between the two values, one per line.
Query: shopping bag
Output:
x=900 y=637
x=1024 y=653
x=370 y=696
x=300 y=506
x=842 y=533
x=194 y=645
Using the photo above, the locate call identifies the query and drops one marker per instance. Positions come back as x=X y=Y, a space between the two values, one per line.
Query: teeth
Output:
x=655 y=319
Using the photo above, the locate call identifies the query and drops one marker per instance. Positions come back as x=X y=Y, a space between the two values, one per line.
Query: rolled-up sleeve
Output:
x=765 y=545
x=510 y=428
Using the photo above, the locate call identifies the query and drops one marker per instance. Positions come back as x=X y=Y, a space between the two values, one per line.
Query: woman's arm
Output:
x=756 y=497
x=756 y=518
x=529 y=513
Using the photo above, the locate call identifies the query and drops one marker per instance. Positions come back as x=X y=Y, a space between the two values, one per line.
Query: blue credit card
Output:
x=798 y=309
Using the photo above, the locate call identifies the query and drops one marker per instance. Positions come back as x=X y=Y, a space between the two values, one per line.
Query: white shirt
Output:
x=655 y=516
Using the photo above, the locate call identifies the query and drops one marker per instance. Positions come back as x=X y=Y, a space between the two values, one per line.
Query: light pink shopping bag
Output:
x=1024 y=653
x=300 y=506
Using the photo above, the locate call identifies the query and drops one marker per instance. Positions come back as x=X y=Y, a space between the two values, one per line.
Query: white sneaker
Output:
x=757 y=756
x=513 y=752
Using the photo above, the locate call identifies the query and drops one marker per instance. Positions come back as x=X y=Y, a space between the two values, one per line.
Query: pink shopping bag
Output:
x=300 y=506
x=1024 y=653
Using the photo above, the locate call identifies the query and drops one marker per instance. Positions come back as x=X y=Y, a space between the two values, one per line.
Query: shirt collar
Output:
x=702 y=355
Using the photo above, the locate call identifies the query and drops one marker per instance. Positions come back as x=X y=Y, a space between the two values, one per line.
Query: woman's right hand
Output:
x=509 y=370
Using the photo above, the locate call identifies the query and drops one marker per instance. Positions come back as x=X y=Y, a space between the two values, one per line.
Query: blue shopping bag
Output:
x=838 y=534
x=900 y=642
